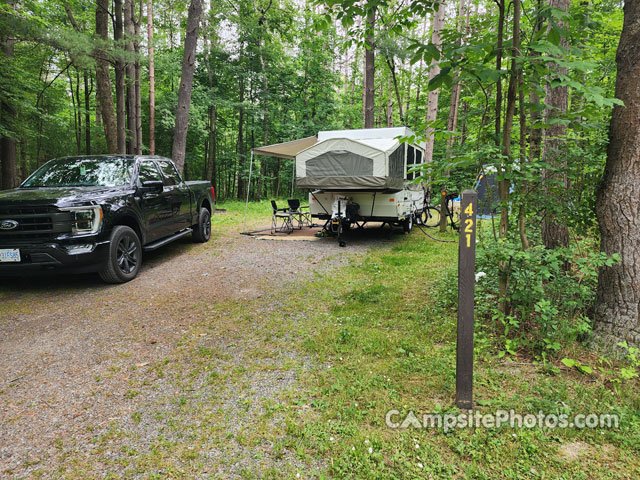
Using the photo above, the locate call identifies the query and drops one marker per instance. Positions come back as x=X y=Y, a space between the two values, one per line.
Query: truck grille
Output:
x=34 y=223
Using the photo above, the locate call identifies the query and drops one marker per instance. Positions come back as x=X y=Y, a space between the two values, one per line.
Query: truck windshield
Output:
x=82 y=172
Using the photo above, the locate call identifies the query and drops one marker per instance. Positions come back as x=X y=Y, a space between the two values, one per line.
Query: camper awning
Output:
x=287 y=149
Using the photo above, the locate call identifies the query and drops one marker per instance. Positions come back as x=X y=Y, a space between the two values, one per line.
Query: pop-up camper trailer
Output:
x=359 y=176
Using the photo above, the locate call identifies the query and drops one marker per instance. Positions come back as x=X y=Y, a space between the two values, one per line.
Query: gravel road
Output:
x=84 y=388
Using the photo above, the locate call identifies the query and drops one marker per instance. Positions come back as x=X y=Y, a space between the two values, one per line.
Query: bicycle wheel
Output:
x=431 y=217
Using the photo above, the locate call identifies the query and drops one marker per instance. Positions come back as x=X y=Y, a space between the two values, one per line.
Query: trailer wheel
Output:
x=407 y=225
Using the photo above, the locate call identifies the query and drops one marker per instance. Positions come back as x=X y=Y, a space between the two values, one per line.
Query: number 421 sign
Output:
x=466 y=292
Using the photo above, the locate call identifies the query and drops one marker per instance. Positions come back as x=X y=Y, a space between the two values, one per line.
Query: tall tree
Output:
x=130 y=71
x=555 y=234
x=434 y=70
x=368 y=94
x=103 y=79
x=432 y=100
x=152 y=80
x=118 y=34
x=504 y=184
x=8 y=114
x=138 y=71
x=452 y=123
x=87 y=112
x=186 y=83
x=617 y=313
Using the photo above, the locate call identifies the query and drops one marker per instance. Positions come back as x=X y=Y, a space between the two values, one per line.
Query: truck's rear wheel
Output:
x=125 y=256
x=202 y=231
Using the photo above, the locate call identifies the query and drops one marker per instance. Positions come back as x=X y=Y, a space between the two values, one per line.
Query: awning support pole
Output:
x=293 y=177
x=246 y=204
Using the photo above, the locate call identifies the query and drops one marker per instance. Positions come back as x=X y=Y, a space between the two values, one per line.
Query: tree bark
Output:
x=452 y=122
x=504 y=185
x=392 y=68
x=87 y=114
x=499 y=53
x=103 y=79
x=118 y=35
x=8 y=114
x=535 y=135
x=130 y=70
x=554 y=181
x=432 y=103
x=186 y=82
x=138 y=70
x=368 y=107
x=152 y=80
x=617 y=313
x=390 y=110
x=211 y=165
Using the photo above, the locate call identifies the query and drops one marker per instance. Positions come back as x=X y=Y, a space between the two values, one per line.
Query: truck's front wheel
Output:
x=202 y=231
x=125 y=256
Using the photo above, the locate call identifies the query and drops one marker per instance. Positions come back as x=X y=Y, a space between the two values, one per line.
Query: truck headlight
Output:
x=85 y=220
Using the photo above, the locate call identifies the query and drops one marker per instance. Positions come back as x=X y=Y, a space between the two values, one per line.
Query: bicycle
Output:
x=430 y=215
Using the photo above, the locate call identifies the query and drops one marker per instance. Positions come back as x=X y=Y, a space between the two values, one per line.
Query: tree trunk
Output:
x=152 y=81
x=120 y=81
x=522 y=211
x=75 y=113
x=499 y=53
x=432 y=104
x=512 y=90
x=130 y=69
x=368 y=107
x=211 y=165
x=535 y=135
x=186 y=82
x=392 y=68
x=8 y=114
x=505 y=183
x=554 y=181
x=452 y=122
x=103 y=79
x=390 y=110
x=617 y=313
x=138 y=69
x=87 y=114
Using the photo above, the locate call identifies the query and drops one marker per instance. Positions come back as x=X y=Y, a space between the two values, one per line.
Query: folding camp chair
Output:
x=300 y=213
x=281 y=221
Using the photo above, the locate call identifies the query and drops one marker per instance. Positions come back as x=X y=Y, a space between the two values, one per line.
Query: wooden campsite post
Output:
x=466 y=284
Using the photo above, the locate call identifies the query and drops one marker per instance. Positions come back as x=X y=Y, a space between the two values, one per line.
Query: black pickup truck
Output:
x=98 y=214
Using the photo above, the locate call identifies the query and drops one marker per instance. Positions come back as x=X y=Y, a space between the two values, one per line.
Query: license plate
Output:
x=9 y=255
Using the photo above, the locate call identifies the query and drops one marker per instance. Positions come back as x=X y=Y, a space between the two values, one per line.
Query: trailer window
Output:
x=411 y=160
x=396 y=163
x=339 y=163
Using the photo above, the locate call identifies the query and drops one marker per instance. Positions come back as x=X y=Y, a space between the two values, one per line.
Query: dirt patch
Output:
x=573 y=451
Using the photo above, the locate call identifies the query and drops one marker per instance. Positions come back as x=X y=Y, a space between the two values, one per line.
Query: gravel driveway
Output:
x=93 y=377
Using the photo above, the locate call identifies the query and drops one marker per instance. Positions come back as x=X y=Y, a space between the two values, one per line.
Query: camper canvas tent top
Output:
x=365 y=160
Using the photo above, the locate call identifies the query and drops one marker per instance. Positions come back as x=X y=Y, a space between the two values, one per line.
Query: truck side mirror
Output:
x=152 y=186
